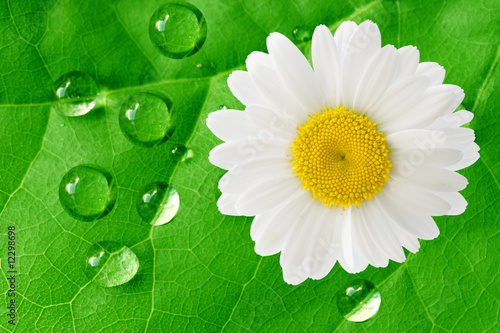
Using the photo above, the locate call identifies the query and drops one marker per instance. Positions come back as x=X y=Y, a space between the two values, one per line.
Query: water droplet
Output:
x=178 y=30
x=302 y=34
x=222 y=107
x=146 y=119
x=157 y=203
x=87 y=192
x=358 y=300
x=110 y=264
x=181 y=153
x=76 y=93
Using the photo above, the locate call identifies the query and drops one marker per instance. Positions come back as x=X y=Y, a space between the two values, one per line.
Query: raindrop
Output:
x=301 y=34
x=222 y=107
x=110 y=264
x=157 y=203
x=178 y=30
x=87 y=192
x=181 y=153
x=76 y=93
x=146 y=119
x=358 y=300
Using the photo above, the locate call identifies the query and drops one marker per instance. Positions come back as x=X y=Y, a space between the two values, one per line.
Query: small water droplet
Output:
x=178 y=30
x=358 y=300
x=110 y=264
x=62 y=125
x=302 y=34
x=199 y=65
x=87 y=192
x=182 y=153
x=146 y=119
x=76 y=93
x=222 y=107
x=157 y=203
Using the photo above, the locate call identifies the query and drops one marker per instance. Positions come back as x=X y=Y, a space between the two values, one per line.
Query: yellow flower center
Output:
x=340 y=157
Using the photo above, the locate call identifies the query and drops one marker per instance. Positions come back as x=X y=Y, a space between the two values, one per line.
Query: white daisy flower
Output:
x=345 y=162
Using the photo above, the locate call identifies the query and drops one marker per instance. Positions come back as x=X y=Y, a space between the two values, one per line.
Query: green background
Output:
x=199 y=272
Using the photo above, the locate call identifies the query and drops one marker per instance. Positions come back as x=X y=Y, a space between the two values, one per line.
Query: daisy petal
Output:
x=272 y=239
x=231 y=125
x=417 y=224
x=226 y=204
x=433 y=178
x=298 y=261
x=408 y=62
x=365 y=244
x=364 y=43
x=376 y=79
x=455 y=119
x=241 y=85
x=416 y=199
x=264 y=196
x=326 y=62
x=343 y=36
x=433 y=71
x=406 y=160
x=456 y=201
x=294 y=69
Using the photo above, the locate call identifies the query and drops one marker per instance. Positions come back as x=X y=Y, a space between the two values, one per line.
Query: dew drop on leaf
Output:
x=147 y=119
x=157 y=203
x=87 y=192
x=358 y=300
x=76 y=94
x=181 y=153
x=178 y=30
x=301 y=34
x=110 y=264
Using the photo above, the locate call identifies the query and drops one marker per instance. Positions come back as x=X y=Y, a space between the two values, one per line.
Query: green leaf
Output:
x=199 y=272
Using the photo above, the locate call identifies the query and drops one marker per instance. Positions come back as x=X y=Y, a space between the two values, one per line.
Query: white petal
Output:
x=417 y=224
x=296 y=257
x=455 y=119
x=282 y=125
x=456 y=201
x=397 y=99
x=295 y=71
x=274 y=89
x=376 y=79
x=432 y=178
x=433 y=71
x=241 y=85
x=257 y=171
x=406 y=160
x=436 y=102
x=381 y=233
x=234 y=154
x=230 y=125
x=363 y=45
x=406 y=238
x=328 y=243
x=272 y=239
x=408 y=62
x=226 y=204
x=365 y=244
x=265 y=196
x=343 y=35
x=471 y=155
x=415 y=199
x=326 y=62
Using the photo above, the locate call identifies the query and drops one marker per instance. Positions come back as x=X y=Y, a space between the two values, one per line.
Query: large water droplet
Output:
x=146 y=119
x=110 y=264
x=178 y=29
x=157 y=203
x=181 y=153
x=76 y=93
x=358 y=300
x=302 y=34
x=87 y=192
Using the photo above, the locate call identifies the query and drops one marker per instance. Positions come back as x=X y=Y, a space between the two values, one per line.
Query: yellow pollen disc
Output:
x=340 y=157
